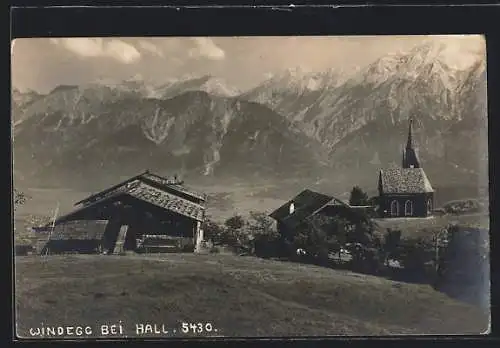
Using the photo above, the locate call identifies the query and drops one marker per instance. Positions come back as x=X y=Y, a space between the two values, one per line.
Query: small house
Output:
x=295 y=212
x=145 y=209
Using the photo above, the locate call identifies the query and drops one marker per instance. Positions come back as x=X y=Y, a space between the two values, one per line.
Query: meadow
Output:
x=239 y=296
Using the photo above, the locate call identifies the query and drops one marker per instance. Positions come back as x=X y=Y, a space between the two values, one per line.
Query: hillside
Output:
x=239 y=296
x=193 y=132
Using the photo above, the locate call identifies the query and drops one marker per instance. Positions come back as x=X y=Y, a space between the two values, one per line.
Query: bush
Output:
x=266 y=240
x=417 y=257
x=465 y=257
x=318 y=237
x=391 y=242
x=366 y=259
x=365 y=246
x=232 y=234
x=465 y=206
x=268 y=246
x=214 y=250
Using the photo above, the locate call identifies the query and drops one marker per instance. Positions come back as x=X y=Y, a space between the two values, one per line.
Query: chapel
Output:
x=405 y=191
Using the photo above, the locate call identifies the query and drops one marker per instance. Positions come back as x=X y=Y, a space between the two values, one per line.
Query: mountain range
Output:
x=334 y=125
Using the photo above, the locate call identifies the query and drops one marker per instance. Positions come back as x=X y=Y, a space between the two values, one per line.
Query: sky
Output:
x=42 y=64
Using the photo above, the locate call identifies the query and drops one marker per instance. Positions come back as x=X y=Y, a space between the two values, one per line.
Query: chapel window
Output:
x=408 y=208
x=394 y=208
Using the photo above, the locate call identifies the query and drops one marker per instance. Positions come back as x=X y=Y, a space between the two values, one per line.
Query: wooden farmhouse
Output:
x=291 y=216
x=144 y=213
x=405 y=191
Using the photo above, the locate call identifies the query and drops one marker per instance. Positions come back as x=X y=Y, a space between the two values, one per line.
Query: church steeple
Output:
x=410 y=159
x=409 y=143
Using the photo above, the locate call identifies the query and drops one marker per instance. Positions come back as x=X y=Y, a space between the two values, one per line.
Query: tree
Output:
x=391 y=242
x=415 y=255
x=235 y=222
x=236 y=236
x=358 y=197
x=213 y=232
x=260 y=223
x=364 y=244
x=321 y=235
x=266 y=239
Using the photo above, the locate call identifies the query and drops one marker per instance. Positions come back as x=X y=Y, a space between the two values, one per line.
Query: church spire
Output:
x=410 y=159
x=409 y=144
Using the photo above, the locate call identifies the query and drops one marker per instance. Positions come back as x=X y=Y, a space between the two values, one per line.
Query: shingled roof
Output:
x=167 y=201
x=305 y=204
x=404 y=180
x=144 y=192
x=171 y=185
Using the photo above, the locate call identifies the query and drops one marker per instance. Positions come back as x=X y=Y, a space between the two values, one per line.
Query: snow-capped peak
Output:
x=218 y=86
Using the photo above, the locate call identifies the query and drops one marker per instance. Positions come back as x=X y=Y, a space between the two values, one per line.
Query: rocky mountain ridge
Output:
x=334 y=125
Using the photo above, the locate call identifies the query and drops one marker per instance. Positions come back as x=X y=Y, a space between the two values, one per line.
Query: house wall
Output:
x=145 y=219
x=170 y=231
x=418 y=201
x=141 y=219
x=82 y=246
x=284 y=231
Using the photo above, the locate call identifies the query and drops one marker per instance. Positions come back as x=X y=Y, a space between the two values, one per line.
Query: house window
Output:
x=408 y=208
x=429 y=206
x=394 y=208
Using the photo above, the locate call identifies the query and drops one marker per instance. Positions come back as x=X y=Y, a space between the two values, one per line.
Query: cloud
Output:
x=461 y=51
x=206 y=48
x=98 y=47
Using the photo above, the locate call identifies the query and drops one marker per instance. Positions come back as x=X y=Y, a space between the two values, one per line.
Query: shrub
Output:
x=365 y=246
x=417 y=256
x=464 y=258
x=214 y=250
x=318 y=237
x=267 y=245
x=266 y=240
x=464 y=206
x=231 y=234
x=391 y=242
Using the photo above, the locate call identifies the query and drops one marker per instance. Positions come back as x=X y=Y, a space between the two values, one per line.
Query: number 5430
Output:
x=196 y=327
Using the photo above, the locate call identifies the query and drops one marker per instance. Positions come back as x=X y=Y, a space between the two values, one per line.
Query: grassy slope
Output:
x=413 y=227
x=241 y=296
